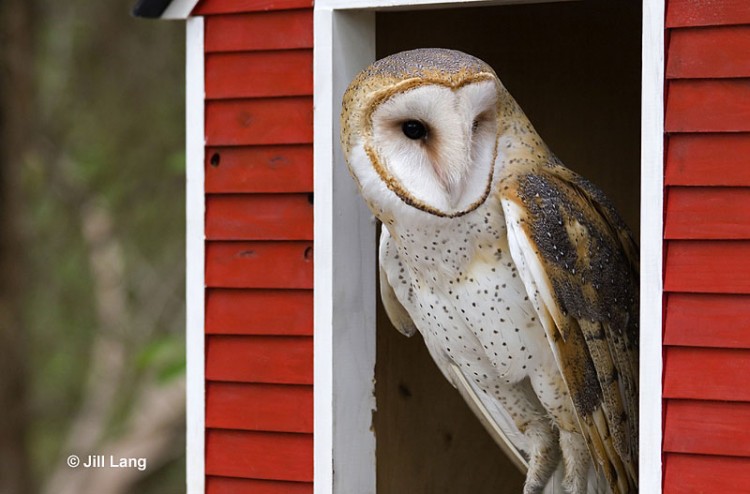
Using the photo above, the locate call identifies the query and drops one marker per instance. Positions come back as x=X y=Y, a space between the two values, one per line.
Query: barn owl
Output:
x=519 y=274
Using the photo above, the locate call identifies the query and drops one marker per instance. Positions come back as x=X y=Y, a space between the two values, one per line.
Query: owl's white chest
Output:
x=463 y=292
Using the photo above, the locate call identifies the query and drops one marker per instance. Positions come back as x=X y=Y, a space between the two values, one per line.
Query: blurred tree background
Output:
x=91 y=247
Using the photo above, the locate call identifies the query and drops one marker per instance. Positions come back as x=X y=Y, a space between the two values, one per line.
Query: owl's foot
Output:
x=544 y=456
x=577 y=460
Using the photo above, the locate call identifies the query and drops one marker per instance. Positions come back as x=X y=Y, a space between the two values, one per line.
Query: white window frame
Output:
x=345 y=257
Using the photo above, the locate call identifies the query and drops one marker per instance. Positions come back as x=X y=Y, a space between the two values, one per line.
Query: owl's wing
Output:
x=497 y=422
x=579 y=264
x=397 y=314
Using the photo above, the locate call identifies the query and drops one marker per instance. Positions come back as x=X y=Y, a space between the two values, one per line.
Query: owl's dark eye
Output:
x=474 y=125
x=414 y=129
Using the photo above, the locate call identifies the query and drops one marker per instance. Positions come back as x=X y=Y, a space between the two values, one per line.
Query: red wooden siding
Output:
x=259 y=312
x=274 y=73
x=259 y=264
x=260 y=455
x=259 y=121
x=717 y=266
x=259 y=217
x=260 y=407
x=709 y=52
x=283 y=30
x=694 y=13
x=708 y=159
x=707 y=247
x=708 y=213
x=708 y=105
x=259 y=169
x=259 y=359
x=707 y=320
x=707 y=427
x=701 y=474
x=706 y=373
x=259 y=249
x=230 y=485
x=213 y=7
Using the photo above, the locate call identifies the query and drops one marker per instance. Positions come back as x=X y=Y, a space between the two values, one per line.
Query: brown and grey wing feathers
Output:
x=580 y=266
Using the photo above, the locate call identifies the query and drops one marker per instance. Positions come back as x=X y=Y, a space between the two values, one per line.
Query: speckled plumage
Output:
x=517 y=272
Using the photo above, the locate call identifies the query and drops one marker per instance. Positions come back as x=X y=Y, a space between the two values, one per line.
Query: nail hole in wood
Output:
x=215 y=159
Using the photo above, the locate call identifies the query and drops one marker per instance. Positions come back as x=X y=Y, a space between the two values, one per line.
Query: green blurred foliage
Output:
x=109 y=129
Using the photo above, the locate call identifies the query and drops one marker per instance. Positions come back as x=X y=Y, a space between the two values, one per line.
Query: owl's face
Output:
x=438 y=142
x=421 y=128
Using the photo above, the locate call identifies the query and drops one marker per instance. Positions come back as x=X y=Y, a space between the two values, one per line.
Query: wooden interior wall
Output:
x=707 y=247
x=575 y=69
x=259 y=232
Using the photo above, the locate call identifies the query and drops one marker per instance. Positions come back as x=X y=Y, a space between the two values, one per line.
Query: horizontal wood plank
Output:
x=229 y=485
x=708 y=159
x=259 y=121
x=682 y=13
x=707 y=213
x=707 y=320
x=260 y=359
x=706 y=374
x=260 y=407
x=708 y=106
x=259 y=264
x=706 y=474
x=259 y=455
x=259 y=169
x=275 y=30
x=259 y=312
x=718 y=266
x=214 y=7
x=259 y=217
x=259 y=74
x=707 y=427
x=709 y=53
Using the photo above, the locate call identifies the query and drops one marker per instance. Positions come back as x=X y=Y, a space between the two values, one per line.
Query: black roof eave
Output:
x=150 y=9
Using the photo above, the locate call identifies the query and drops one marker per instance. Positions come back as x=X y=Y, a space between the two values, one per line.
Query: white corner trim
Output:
x=345 y=270
x=323 y=253
x=195 y=256
x=179 y=9
x=652 y=207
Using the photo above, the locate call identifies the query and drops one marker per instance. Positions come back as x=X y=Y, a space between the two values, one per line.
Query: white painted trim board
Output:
x=345 y=271
x=179 y=9
x=651 y=242
x=195 y=256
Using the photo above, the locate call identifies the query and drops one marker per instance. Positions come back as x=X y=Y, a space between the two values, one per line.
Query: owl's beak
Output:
x=451 y=172
x=453 y=187
x=455 y=191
